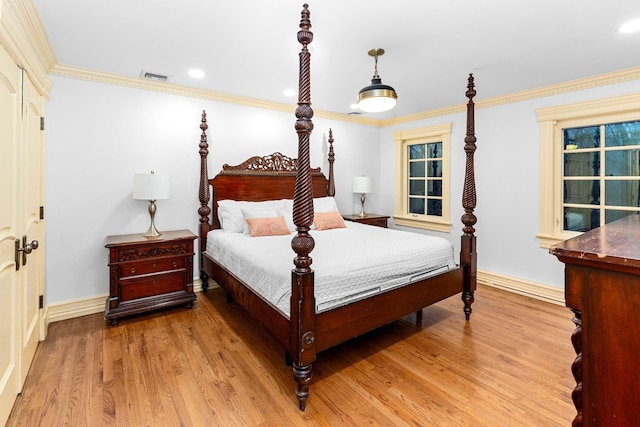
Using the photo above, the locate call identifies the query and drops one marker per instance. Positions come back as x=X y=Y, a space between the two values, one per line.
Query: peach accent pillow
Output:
x=328 y=220
x=267 y=226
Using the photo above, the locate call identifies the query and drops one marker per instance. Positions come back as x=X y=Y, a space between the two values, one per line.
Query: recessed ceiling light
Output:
x=196 y=74
x=289 y=92
x=630 y=27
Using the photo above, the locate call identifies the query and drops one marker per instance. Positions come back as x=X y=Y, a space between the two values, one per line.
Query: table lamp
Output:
x=362 y=185
x=151 y=187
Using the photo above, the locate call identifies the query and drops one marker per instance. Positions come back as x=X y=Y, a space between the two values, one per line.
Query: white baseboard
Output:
x=84 y=306
x=92 y=305
x=75 y=308
x=538 y=291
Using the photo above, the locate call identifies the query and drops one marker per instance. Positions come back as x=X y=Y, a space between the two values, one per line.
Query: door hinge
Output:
x=41 y=301
x=41 y=212
x=41 y=123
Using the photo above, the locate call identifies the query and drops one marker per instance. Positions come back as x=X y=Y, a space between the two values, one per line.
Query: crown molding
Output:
x=103 y=77
x=607 y=79
x=74 y=72
x=24 y=38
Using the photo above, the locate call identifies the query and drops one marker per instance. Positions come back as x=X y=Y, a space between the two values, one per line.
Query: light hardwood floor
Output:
x=211 y=365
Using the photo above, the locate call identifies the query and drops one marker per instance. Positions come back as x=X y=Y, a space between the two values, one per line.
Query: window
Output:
x=590 y=166
x=422 y=177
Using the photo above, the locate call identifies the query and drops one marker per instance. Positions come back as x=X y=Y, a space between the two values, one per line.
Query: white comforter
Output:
x=349 y=263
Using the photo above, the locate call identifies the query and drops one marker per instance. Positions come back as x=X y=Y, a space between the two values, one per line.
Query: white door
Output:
x=30 y=198
x=21 y=195
x=10 y=112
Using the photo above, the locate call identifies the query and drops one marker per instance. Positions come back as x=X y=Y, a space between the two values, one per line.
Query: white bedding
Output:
x=349 y=263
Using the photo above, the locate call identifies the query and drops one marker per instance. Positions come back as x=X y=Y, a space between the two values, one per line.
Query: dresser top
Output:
x=615 y=243
x=135 y=239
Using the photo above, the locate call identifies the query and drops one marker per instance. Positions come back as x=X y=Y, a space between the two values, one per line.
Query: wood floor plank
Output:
x=213 y=366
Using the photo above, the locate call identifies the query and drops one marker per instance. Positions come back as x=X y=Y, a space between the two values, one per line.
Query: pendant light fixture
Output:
x=377 y=97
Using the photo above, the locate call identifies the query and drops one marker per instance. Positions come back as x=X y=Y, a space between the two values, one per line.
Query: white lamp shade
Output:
x=151 y=186
x=362 y=184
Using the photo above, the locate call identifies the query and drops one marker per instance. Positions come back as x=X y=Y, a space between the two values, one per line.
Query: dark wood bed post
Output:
x=331 y=188
x=468 y=256
x=302 y=277
x=204 y=210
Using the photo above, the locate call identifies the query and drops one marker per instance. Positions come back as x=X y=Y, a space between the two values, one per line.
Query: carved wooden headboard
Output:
x=270 y=177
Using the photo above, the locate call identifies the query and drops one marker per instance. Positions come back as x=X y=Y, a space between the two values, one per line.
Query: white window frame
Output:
x=404 y=138
x=552 y=121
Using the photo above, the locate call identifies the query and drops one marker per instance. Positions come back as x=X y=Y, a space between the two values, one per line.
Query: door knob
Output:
x=26 y=249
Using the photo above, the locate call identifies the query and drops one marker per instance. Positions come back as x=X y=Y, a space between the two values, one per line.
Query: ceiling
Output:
x=249 y=47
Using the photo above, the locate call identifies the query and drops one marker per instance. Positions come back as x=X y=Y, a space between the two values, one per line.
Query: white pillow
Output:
x=320 y=204
x=324 y=204
x=229 y=219
x=288 y=214
x=230 y=212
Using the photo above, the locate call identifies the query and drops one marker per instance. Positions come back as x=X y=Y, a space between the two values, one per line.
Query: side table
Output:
x=148 y=273
x=370 y=219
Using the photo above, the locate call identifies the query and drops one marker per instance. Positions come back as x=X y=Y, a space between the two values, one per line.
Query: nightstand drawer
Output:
x=151 y=285
x=140 y=268
x=153 y=251
x=369 y=219
x=378 y=222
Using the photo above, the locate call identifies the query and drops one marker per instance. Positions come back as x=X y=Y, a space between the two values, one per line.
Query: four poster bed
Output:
x=292 y=203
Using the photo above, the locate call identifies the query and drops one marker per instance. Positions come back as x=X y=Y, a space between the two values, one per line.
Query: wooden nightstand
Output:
x=148 y=273
x=370 y=219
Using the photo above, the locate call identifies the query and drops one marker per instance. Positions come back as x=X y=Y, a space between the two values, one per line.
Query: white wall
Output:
x=507 y=169
x=99 y=135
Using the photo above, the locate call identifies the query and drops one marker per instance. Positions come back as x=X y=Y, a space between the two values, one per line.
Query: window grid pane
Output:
x=416 y=151
x=610 y=154
x=425 y=179
x=622 y=134
x=416 y=205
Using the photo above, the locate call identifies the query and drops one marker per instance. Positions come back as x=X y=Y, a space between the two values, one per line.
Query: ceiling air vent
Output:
x=153 y=76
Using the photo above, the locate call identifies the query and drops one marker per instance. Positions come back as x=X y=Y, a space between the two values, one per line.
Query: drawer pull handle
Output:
x=175 y=264
x=133 y=270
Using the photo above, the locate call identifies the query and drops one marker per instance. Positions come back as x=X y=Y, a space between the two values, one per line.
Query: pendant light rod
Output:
x=375 y=53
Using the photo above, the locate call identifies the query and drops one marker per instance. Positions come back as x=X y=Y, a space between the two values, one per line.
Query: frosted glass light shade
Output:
x=151 y=186
x=377 y=104
x=362 y=184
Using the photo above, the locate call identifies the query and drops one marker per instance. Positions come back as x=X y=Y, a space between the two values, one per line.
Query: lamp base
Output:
x=152 y=231
x=362 y=213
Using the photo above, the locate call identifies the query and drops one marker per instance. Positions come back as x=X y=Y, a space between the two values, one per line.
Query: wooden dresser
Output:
x=602 y=288
x=148 y=273
x=370 y=219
